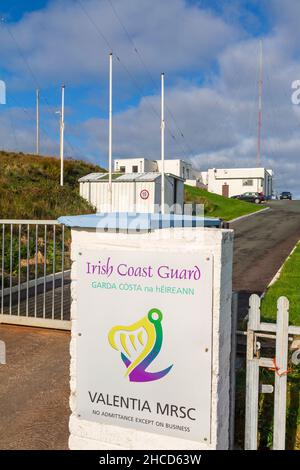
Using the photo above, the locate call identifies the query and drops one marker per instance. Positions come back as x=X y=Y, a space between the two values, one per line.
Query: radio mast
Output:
x=260 y=90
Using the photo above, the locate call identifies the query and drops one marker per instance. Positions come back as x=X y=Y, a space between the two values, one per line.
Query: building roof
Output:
x=150 y=176
x=126 y=177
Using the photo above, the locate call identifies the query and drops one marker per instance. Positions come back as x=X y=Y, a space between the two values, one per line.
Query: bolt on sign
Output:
x=144 y=341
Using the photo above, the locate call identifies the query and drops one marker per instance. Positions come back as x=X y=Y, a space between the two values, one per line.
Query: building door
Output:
x=225 y=190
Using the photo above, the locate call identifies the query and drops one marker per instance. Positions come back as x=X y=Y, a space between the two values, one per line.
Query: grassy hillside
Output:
x=30 y=189
x=219 y=206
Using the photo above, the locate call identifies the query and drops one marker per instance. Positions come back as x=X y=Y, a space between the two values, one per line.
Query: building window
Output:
x=247 y=182
x=122 y=169
x=135 y=169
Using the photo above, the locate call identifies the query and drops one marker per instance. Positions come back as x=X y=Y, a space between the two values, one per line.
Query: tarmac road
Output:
x=34 y=389
x=34 y=385
x=262 y=242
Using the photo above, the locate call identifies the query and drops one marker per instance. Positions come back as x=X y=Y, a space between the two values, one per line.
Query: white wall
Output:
x=236 y=177
x=177 y=167
x=204 y=177
x=196 y=174
x=144 y=165
x=219 y=243
x=126 y=195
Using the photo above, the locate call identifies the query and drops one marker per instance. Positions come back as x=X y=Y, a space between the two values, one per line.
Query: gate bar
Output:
x=282 y=343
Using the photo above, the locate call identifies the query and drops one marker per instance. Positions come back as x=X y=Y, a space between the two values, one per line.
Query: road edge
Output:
x=248 y=215
x=277 y=275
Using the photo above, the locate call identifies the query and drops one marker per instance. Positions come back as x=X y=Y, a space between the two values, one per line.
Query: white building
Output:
x=132 y=192
x=135 y=165
x=233 y=181
x=176 y=167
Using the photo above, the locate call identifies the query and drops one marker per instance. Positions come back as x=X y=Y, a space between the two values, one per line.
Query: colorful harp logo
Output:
x=139 y=344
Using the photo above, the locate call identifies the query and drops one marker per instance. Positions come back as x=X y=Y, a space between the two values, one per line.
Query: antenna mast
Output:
x=162 y=144
x=260 y=90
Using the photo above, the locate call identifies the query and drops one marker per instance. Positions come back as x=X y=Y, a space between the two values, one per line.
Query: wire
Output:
x=33 y=76
x=35 y=80
x=111 y=49
x=13 y=128
x=180 y=132
x=148 y=72
x=25 y=111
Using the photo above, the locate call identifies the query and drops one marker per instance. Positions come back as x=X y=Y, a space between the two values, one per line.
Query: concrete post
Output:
x=194 y=311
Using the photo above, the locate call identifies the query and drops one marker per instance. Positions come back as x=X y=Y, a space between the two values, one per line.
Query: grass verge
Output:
x=288 y=285
x=219 y=206
x=266 y=410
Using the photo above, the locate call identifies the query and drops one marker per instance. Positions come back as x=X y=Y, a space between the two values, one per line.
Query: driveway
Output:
x=262 y=242
x=34 y=389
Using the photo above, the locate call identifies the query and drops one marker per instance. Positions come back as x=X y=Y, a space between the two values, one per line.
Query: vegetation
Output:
x=30 y=189
x=266 y=409
x=288 y=285
x=219 y=206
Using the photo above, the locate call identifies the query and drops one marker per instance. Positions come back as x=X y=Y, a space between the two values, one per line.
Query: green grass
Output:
x=287 y=285
x=266 y=409
x=219 y=206
x=30 y=189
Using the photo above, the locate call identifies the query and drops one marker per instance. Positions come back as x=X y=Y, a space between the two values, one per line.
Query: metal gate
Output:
x=35 y=273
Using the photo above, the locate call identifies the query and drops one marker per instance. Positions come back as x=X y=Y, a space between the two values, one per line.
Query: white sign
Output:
x=144 y=340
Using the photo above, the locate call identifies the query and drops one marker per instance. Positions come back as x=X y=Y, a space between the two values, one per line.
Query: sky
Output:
x=209 y=52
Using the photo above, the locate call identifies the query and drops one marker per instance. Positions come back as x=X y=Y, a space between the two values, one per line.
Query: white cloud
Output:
x=61 y=42
x=218 y=118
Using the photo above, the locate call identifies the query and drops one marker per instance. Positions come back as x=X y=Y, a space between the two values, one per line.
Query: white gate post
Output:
x=2 y=352
x=281 y=373
x=252 y=379
x=104 y=416
x=234 y=315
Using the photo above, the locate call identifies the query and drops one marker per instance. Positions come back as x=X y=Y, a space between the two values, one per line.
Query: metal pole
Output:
x=110 y=134
x=260 y=89
x=37 y=122
x=162 y=144
x=62 y=128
